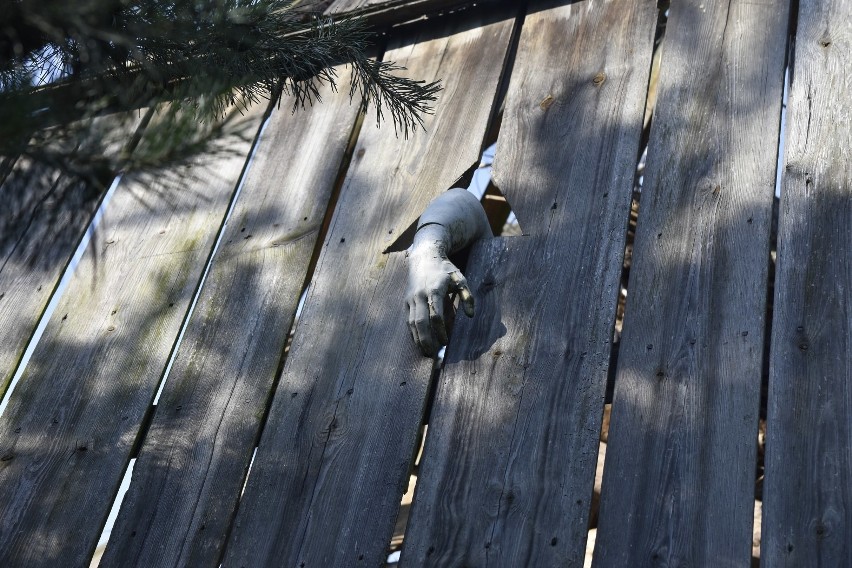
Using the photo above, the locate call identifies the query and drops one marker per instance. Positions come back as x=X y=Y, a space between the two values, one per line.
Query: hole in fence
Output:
x=477 y=180
x=503 y=220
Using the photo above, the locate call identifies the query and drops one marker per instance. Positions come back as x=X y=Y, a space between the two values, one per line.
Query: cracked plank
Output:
x=679 y=480
x=337 y=447
x=508 y=470
x=807 y=508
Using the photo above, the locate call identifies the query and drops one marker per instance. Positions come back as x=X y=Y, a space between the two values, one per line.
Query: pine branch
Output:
x=204 y=58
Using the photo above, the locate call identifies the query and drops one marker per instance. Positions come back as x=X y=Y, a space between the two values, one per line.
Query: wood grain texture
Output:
x=807 y=508
x=336 y=450
x=68 y=431
x=678 y=484
x=192 y=465
x=508 y=470
x=32 y=258
x=42 y=221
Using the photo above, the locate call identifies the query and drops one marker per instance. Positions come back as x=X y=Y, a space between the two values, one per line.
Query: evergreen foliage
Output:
x=74 y=77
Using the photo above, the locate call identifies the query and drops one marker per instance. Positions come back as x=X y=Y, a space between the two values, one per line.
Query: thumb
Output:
x=460 y=283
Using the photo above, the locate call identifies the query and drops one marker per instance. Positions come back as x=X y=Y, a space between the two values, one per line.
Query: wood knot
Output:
x=599 y=79
x=821 y=528
x=546 y=102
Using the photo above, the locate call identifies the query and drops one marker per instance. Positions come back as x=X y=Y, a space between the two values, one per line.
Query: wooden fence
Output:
x=507 y=474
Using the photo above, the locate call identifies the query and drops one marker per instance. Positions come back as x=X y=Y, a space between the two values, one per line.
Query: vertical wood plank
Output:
x=678 y=484
x=508 y=470
x=191 y=468
x=42 y=221
x=33 y=255
x=71 y=424
x=334 y=458
x=807 y=508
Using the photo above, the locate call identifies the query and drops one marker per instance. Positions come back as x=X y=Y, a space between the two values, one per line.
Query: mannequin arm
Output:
x=451 y=222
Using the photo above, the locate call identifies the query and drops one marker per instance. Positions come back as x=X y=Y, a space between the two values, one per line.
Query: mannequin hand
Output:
x=431 y=276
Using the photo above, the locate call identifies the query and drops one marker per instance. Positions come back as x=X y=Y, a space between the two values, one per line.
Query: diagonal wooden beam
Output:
x=378 y=14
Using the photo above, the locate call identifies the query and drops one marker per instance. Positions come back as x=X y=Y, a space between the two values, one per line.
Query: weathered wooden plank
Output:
x=42 y=221
x=68 y=431
x=679 y=480
x=191 y=468
x=333 y=461
x=32 y=259
x=508 y=470
x=807 y=507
